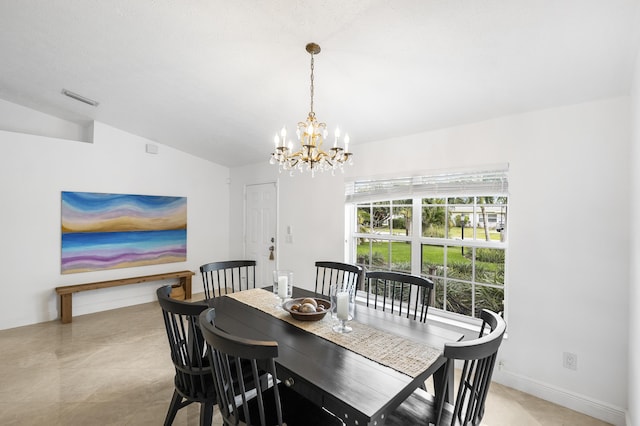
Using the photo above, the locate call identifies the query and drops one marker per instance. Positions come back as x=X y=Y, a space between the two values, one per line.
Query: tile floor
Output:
x=113 y=368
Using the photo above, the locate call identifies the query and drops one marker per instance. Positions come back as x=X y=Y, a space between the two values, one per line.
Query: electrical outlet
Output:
x=570 y=360
x=501 y=365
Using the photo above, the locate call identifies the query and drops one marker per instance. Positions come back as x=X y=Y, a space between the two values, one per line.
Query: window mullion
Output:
x=416 y=236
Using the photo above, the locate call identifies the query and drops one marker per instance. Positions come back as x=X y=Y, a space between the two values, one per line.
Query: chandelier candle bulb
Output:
x=342 y=310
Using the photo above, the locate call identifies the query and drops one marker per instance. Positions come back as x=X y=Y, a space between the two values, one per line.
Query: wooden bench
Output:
x=66 y=291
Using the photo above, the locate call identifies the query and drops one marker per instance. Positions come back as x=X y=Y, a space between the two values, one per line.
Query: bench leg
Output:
x=65 y=308
x=186 y=285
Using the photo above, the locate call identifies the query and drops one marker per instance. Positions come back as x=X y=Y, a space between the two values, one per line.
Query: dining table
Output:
x=361 y=376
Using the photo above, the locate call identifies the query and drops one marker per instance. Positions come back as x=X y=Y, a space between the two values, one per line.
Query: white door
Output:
x=260 y=230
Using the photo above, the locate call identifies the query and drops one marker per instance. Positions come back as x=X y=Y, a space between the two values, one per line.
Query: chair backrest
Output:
x=479 y=357
x=238 y=366
x=328 y=273
x=403 y=294
x=228 y=277
x=193 y=370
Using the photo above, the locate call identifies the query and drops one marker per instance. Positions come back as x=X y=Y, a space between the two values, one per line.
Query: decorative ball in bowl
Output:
x=307 y=308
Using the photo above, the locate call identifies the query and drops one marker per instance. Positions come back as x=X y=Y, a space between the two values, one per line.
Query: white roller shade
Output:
x=467 y=183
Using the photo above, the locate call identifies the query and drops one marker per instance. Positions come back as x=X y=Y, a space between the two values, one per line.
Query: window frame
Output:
x=418 y=241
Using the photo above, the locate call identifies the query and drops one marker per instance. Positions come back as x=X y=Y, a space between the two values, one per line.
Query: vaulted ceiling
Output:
x=218 y=78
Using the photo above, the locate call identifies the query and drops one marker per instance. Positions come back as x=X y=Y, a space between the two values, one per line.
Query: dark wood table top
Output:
x=358 y=390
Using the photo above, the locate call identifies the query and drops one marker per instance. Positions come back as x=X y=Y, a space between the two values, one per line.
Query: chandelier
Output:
x=311 y=135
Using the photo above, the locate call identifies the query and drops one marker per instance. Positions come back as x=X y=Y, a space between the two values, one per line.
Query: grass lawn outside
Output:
x=431 y=254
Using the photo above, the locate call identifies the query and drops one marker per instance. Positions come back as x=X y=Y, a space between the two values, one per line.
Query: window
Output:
x=449 y=228
x=385 y=228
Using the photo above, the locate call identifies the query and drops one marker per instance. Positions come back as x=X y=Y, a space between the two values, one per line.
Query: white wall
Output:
x=634 y=257
x=16 y=118
x=567 y=265
x=313 y=207
x=33 y=172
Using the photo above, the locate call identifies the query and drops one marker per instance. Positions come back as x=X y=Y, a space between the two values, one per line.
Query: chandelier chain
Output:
x=311 y=83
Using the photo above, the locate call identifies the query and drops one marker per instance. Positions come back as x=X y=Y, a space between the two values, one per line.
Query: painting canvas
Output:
x=109 y=231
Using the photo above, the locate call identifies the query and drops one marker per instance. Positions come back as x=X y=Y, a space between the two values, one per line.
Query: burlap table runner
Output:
x=401 y=354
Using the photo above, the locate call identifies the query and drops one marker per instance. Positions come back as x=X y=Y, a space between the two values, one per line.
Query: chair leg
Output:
x=428 y=384
x=176 y=404
x=206 y=413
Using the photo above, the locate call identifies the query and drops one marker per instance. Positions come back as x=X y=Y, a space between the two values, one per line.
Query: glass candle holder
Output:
x=282 y=285
x=342 y=305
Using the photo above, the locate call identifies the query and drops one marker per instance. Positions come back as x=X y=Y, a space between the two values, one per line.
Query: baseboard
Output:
x=583 y=404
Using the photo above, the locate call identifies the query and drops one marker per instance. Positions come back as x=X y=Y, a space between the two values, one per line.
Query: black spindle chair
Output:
x=479 y=356
x=272 y=402
x=193 y=381
x=228 y=276
x=328 y=273
x=403 y=294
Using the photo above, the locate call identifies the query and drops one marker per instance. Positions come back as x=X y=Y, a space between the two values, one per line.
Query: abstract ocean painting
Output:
x=109 y=231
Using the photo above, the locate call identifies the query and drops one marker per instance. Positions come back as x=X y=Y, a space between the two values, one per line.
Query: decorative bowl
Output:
x=307 y=316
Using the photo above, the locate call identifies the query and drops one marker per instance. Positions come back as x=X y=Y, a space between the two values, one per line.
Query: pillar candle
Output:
x=283 y=284
x=342 y=300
